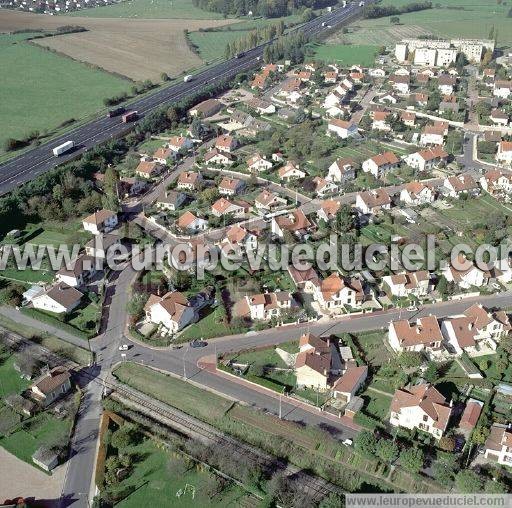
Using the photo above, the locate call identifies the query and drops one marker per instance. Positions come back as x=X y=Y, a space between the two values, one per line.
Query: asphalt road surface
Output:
x=36 y=161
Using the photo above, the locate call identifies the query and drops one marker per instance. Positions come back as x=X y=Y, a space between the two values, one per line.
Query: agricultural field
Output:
x=148 y=9
x=449 y=18
x=345 y=54
x=136 y=48
x=65 y=89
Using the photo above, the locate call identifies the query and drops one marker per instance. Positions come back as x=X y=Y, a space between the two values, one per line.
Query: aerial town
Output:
x=283 y=283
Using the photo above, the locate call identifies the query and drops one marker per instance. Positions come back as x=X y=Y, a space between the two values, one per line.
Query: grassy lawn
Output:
x=453 y=18
x=10 y=380
x=173 y=391
x=372 y=344
x=65 y=88
x=265 y=357
x=210 y=325
x=56 y=320
x=151 y=9
x=42 y=429
x=376 y=404
x=159 y=476
x=346 y=54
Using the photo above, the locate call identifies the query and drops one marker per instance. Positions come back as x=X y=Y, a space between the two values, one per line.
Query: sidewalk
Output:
x=19 y=317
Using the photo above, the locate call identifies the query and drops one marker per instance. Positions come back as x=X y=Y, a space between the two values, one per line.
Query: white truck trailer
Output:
x=65 y=147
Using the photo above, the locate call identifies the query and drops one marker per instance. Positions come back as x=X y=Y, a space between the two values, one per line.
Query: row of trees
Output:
x=380 y=11
x=265 y=8
x=255 y=38
x=290 y=47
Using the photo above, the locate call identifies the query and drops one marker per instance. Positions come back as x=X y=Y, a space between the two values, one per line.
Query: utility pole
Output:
x=184 y=365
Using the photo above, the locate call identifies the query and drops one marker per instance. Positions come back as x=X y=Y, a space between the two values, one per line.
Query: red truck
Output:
x=130 y=116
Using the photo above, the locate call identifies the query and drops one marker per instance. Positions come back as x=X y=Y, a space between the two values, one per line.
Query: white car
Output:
x=412 y=308
x=347 y=442
x=124 y=347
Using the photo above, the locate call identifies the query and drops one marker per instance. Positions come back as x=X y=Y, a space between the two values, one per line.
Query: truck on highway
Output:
x=361 y=4
x=115 y=112
x=130 y=116
x=188 y=78
x=240 y=55
x=65 y=147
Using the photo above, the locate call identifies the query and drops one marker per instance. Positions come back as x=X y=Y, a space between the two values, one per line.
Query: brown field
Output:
x=138 y=49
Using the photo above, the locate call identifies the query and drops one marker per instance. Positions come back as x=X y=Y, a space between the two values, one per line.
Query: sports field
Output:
x=346 y=54
x=448 y=18
x=40 y=90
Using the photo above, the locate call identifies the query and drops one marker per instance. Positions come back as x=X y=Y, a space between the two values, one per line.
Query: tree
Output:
x=431 y=373
x=12 y=295
x=125 y=436
x=410 y=359
x=366 y=443
x=332 y=501
x=468 y=482
x=412 y=459
x=135 y=305
x=165 y=77
x=386 y=450
x=394 y=20
x=344 y=220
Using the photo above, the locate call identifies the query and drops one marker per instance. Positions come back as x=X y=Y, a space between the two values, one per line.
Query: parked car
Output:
x=198 y=343
x=347 y=442
x=124 y=347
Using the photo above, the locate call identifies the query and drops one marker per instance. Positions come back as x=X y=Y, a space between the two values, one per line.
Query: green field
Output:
x=346 y=54
x=149 y=9
x=40 y=90
x=159 y=476
x=454 y=18
x=10 y=380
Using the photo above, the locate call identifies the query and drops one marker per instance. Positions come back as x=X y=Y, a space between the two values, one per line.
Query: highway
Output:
x=38 y=160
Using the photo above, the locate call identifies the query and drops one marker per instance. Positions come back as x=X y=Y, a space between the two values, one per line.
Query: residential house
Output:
x=336 y=292
x=425 y=160
x=407 y=284
x=342 y=128
x=408 y=118
x=260 y=82
x=294 y=222
x=215 y=156
x=188 y=221
x=223 y=207
x=306 y=281
x=446 y=84
x=498 y=445
x=81 y=270
x=323 y=187
x=225 y=143
x=171 y=311
x=341 y=171
x=268 y=305
x=130 y=186
x=471 y=276
x=328 y=210
x=420 y=407
x=496 y=181
x=349 y=383
x=268 y=201
x=423 y=335
x=206 y=108
x=470 y=416
x=239 y=240
x=432 y=135
x=59 y=299
x=330 y=77
x=52 y=385
x=502 y=89
x=291 y=171
x=170 y=200
x=149 y=169
x=190 y=180
x=504 y=152
x=261 y=106
x=462 y=184
x=231 y=186
x=258 y=163
x=449 y=103
x=180 y=144
x=475 y=328
x=381 y=120
x=162 y=155
x=102 y=246
x=313 y=364
x=400 y=83
x=373 y=201
x=101 y=221
x=381 y=164
x=499 y=117
x=417 y=193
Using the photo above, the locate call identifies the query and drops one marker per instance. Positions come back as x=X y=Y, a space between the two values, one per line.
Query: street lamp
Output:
x=184 y=365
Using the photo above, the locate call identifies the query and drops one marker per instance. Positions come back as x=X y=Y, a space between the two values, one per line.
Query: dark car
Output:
x=198 y=343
